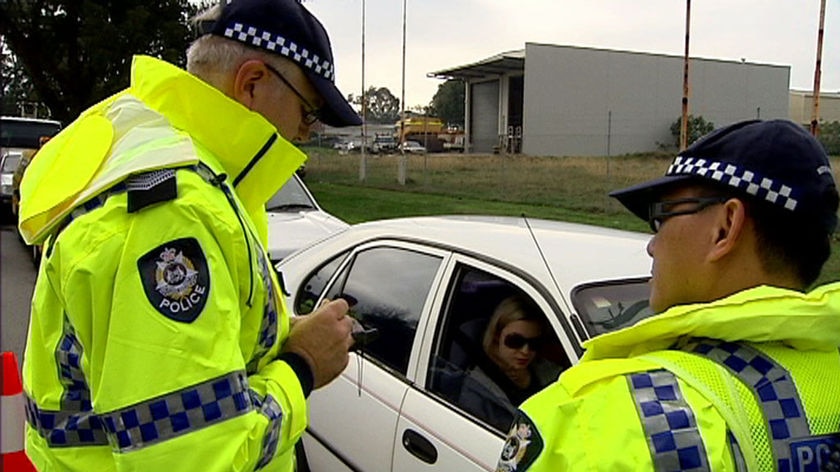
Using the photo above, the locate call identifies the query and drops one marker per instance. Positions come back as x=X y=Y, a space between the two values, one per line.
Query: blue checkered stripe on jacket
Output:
x=178 y=413
x=772 y=385
x=75 y=424
x=269 y=408
x=669 y=423
x=268 y=327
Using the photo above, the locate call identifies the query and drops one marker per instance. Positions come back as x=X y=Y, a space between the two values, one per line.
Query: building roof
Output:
x=506 y=62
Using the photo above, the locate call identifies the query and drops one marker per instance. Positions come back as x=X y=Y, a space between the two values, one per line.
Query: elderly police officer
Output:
x=740 y=369
x=159 y=338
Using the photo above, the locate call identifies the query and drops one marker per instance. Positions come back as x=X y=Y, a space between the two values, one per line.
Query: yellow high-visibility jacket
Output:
x=750 y=382
x=157 y=320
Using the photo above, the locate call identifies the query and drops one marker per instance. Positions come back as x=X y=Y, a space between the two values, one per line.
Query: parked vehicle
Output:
x=295 y=219
x=9 y=161
x=384 y=144
x=427 y=286
x=412 y=147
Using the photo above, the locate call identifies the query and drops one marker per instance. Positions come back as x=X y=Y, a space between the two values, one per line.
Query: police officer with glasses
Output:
x=739 y=369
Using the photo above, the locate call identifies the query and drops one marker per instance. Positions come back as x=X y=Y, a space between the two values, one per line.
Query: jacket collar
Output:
x=761 y=314
x=247 y=146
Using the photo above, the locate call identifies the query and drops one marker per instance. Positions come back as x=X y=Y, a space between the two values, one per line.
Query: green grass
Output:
x=560 y=188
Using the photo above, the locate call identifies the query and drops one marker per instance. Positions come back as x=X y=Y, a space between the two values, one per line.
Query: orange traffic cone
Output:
x=12 y=456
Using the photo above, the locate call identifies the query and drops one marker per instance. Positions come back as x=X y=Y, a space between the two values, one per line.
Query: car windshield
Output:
x=612 y=305
x=25 y=133
x=10 y=163
x=292 y=196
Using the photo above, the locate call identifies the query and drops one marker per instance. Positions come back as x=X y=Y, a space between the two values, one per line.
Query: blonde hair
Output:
x=513 y=308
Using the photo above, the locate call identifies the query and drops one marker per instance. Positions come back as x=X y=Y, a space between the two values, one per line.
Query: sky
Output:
x=441 y=34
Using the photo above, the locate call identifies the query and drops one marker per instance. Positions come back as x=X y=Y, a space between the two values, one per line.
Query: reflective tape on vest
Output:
x=775 y=392
x=669 y=423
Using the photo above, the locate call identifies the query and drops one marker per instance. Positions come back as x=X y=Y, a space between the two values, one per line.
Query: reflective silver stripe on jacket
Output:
x=178 y=413
x=669 y=423
x=773 y=388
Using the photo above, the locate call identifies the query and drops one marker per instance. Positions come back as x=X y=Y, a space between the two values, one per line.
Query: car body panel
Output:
x=295 y=219
x=408 y=417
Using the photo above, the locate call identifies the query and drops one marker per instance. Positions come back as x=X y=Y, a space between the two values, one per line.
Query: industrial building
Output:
x=568 y=100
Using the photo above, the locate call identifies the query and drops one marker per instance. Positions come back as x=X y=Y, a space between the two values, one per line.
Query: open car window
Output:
x=460 y=371
x=612 y=305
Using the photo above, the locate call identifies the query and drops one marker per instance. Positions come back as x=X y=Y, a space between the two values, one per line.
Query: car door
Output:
x=352 y=421
x=435 y=431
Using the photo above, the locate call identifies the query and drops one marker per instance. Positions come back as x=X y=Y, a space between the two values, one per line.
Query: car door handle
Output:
x=419 y=446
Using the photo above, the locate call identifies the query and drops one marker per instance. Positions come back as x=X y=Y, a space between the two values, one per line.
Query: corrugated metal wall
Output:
x=582 y=101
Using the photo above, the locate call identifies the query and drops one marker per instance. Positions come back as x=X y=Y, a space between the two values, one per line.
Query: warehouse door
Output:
x=484 y=116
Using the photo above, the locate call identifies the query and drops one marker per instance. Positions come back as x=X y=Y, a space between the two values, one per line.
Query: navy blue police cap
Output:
x=288 y=29
x=775 y=162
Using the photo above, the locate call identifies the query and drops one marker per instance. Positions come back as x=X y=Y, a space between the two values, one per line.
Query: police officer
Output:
x=159 y=339
x=740 y=369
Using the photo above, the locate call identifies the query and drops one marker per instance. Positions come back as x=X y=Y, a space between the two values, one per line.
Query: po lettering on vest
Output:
x=185 y=303
x=810 y=455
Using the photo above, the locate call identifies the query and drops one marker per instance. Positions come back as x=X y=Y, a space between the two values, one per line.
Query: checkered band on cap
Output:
x=737 y=177
x=773 y=388
x=278 y=44
x=669 y=423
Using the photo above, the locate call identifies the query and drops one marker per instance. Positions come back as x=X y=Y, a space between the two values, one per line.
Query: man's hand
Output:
x=323 y=339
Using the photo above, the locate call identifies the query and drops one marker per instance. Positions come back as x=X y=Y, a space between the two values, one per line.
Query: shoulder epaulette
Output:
x=149 y=188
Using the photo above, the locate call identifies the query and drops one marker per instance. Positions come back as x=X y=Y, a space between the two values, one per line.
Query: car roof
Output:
x=30 y=120
x=577 y=253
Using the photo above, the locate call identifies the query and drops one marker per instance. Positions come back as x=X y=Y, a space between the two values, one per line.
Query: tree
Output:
x=697 y=127
x=382 y=105
x=448 y=102
x=830 y=137
x=77 y=52
x=18 y=95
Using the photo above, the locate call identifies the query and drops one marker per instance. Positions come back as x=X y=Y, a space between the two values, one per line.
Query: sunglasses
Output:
x=517 y=341
x=661 y=211
x=311 y=114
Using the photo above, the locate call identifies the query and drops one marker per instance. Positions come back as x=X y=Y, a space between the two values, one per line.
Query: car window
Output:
x=462 y=373
x=291 y=196
x=387 y=288
x=25 y=133
x=612 y=305
x=10 y=163
x=312 y=288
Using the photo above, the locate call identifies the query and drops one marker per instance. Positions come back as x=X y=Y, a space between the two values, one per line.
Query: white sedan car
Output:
x=295 y=220
x=428 y=286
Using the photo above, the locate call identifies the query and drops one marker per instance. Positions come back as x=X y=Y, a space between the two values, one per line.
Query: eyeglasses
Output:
x=311 y=114
x=517 y=341
x=661 y=211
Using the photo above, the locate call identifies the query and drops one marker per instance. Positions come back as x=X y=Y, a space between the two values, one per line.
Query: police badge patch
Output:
x=522 y=446
x=175 y=278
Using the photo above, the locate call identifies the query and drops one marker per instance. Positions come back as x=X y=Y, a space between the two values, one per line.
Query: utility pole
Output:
x=815 y=112
x=362 y=156
x=684 y=119
x=401 y=172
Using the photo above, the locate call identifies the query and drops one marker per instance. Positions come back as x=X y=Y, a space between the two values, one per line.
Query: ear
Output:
x=728 y=229
x=246 y=81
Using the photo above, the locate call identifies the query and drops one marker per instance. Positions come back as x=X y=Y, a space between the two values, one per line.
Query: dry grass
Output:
x=573 y=186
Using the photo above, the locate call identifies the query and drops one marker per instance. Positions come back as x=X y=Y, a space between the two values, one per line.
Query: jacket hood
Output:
x=86 y=157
